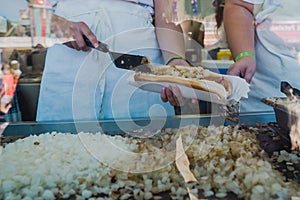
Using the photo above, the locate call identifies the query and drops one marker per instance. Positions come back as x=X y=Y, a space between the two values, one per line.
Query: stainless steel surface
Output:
x=28 y=94
x=114 y=127
x=253 y=118
x=282 y=113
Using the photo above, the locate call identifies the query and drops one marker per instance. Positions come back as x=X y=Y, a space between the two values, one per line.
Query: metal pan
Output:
x=113 y=127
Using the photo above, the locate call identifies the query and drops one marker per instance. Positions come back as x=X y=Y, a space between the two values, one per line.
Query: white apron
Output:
x=275 y=61
x=79 y=85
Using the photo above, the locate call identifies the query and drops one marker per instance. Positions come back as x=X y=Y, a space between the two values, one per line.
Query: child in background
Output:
x=15 y=70
x=7 y=89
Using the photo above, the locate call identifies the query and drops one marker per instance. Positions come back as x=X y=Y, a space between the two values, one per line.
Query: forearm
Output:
x=169 y=36
x=239 y=26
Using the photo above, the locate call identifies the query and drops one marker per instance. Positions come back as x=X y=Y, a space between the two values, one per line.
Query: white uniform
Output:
x=276 y=61
x=79 y=85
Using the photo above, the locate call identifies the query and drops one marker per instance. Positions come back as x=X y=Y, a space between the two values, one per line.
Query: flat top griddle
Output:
x=269 y=134
x=117 y=127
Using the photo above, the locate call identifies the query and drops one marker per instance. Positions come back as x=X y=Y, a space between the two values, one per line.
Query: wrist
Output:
x=177 y=58
x=244 y=54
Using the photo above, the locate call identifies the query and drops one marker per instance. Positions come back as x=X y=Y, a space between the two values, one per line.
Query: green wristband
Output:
x=243 y=54
x=177 y=57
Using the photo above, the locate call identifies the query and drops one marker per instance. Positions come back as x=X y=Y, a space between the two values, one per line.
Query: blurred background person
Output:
x=15 y=68
x=12 y=112
x=7 y=89
x=36 y=61
x=220 y=31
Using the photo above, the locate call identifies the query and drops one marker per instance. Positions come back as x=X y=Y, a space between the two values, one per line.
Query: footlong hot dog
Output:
x=194 y=77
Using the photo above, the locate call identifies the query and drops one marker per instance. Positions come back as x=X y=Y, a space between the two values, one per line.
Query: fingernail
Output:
x=96 y=45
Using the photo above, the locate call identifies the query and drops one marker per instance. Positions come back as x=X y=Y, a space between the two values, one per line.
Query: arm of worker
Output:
x=169 y=35
x=171 y=42
x=62 y=27
x=239 y=28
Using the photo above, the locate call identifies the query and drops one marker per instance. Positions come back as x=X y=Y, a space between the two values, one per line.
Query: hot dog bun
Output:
x=194 y=77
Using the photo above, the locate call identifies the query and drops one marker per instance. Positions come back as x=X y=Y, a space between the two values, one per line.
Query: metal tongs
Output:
x=289 y=91
x=121 y=60
x=231 y=111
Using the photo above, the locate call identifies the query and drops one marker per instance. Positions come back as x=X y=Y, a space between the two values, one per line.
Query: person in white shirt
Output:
x=217 y=20
x=262 y=57
x=85 y=85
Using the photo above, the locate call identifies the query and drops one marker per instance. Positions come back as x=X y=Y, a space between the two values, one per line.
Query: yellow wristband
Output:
x=177 y=57
x=243 y=54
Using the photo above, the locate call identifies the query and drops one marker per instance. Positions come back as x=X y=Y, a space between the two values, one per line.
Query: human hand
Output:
x=244 y=68
x=78 y=29
x=179 y=61
x=63 y=28
x=172 y=93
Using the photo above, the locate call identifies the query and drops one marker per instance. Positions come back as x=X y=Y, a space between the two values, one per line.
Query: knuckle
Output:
x=73 y=26
x=82 y=24
x=81 y=45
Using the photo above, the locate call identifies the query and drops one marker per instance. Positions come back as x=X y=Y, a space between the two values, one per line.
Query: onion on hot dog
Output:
x=194 y=77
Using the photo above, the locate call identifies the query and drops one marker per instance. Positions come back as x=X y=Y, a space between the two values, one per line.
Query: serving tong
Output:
x=289 y=91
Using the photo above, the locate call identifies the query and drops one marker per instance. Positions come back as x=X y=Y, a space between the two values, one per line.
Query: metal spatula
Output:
x=121 y=60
